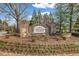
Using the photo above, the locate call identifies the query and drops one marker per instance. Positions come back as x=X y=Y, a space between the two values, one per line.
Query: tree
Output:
x=0 y=21
x=5 y=25
x=76 y=25
x=39 y=19
x=71 y=6
x=0 y=24
x=45 y=18
x=51 y=17
x=67 y=13
x=34 y=18
x=59 y=16
x=47 y=22
x=15 y=11
x=71 y=11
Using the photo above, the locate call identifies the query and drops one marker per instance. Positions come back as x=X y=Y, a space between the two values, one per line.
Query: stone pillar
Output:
x=23 y=32
x=24 y=29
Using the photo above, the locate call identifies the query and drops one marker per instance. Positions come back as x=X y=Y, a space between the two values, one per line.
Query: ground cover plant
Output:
x=38 y=49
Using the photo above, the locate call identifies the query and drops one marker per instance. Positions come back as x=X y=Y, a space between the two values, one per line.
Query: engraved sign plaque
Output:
x=39 y=29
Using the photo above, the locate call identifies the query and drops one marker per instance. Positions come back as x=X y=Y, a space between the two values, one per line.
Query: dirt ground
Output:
x=15 y=54
x=48 y=40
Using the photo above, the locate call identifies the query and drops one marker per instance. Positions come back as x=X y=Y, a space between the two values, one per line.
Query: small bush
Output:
x=75 y=34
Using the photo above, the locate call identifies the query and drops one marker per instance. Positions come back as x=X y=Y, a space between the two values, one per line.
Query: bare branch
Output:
x=23 y=11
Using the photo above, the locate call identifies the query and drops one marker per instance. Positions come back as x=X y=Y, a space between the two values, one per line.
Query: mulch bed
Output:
x=22 y=46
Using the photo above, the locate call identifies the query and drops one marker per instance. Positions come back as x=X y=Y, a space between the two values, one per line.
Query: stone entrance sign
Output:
x=39 y=29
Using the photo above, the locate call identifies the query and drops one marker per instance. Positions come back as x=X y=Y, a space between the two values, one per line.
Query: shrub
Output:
x=29 y=46
x=33 y=38
x=38 y=51
x=40 y=46
x=2 y=45
x=46 y=51
x=75 y=34
x=30 y=51
x=50 y=50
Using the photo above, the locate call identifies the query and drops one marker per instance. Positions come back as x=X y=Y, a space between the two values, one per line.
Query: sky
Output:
x=43 y=7
x=43 y=1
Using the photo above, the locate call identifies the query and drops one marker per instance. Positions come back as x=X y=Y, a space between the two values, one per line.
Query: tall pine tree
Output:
x=34 y=18
x=39 y=17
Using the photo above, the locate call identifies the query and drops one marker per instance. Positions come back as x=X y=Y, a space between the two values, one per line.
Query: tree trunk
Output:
x=49 y=28
x=60 y=29
x=71 y=13
x=60 y=26
x=17 y=28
